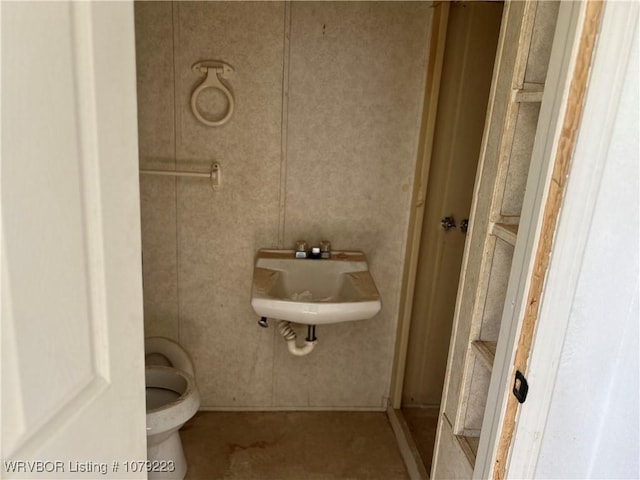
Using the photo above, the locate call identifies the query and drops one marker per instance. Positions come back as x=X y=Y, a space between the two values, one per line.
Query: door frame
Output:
x=594 y=127
x=436 y=48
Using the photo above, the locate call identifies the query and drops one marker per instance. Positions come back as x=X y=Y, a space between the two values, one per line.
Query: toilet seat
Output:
x=182 y=393
x=171 y=350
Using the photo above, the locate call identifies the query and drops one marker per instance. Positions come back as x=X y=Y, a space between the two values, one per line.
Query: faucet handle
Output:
x=301 y=249
x=325 y=249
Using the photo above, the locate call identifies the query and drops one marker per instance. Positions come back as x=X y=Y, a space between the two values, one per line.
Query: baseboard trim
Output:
x=408 y=450
x=291 y=409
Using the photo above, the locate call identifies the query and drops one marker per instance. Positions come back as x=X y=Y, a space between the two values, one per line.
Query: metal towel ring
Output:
x=213 y=72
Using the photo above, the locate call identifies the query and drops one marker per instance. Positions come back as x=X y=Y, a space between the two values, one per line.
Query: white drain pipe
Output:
x=290 y=336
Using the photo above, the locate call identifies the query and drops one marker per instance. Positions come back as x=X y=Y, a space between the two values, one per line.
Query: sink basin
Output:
x=314 y=291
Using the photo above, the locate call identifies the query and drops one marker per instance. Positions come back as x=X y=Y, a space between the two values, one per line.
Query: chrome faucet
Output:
x=303 y=251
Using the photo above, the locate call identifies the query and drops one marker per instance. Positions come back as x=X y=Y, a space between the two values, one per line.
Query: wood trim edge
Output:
x=408 y=449
x=421 y=176
x=562 y=162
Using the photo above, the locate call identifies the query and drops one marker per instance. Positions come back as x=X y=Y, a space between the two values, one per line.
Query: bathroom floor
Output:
x=291 y=445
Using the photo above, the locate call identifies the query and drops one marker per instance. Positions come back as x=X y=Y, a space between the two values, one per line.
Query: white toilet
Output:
x=172 y=399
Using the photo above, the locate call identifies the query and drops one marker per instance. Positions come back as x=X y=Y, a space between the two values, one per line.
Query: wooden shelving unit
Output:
x=520 y=72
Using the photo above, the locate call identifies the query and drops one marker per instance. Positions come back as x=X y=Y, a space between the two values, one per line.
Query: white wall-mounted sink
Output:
x=314 y=291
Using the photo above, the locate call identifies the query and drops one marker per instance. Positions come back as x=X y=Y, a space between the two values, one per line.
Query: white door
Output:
x=72 y=335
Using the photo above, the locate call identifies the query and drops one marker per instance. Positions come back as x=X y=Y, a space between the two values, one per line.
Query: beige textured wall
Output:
x=347 y=78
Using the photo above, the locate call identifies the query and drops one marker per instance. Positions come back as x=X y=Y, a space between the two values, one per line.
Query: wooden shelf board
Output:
x=469 y=446
x=485 y=352
x=506 y=232
x=530 y=92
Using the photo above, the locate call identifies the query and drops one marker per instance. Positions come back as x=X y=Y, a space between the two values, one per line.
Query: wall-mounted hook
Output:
x=216 y=176
x=213 y=72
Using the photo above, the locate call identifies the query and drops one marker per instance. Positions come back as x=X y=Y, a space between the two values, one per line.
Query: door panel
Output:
x=472 y=35
x=72 y=341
